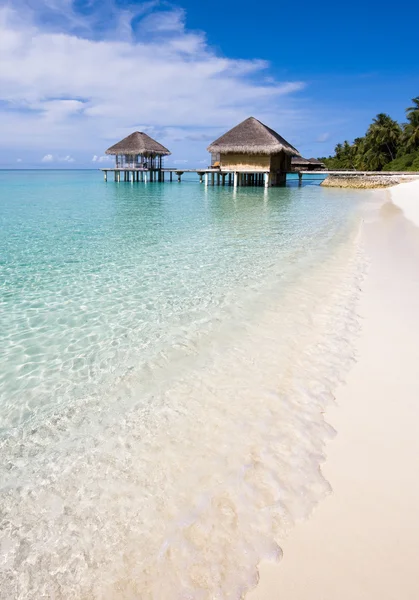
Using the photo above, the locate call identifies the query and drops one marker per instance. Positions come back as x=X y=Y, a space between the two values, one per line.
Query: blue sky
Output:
x=78 y=75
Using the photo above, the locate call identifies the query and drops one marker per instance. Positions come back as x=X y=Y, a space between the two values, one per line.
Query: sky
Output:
x=76 y=76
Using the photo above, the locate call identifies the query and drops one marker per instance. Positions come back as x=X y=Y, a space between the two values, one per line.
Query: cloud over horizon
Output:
x=71 y=85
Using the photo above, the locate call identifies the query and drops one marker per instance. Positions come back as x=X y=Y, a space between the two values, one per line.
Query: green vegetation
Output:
x=386 y=146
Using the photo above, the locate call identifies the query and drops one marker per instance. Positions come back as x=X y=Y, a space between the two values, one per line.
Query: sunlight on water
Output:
x=166 y=355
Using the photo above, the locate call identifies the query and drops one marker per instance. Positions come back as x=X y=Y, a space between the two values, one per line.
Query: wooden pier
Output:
x=250 y=154
x=209 y=177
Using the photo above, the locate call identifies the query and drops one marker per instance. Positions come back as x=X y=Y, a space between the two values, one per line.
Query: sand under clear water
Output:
x=167 y=354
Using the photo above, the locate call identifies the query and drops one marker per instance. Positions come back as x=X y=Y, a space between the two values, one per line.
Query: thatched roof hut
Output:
x=300 y=162
x=252 y=137
x=138 y=143
x=306 y=164
x=318 y=164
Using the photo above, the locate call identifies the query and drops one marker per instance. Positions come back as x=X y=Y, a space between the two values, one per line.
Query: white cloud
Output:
x=67 y=158
x=323 y=137
x=48 y=158
x=102 y=159
x=181 y=161
x=68 y=91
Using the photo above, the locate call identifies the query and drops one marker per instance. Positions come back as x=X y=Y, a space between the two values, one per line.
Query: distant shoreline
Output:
x=362 y=181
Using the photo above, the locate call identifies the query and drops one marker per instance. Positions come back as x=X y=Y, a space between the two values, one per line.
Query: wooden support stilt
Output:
x=236 y=179
x=223 y=177
x=212 y=178
x=229 y=179
x=201 y=175
x=300 y=178
x=206 y=179
x=171 y=175
x=105 y=175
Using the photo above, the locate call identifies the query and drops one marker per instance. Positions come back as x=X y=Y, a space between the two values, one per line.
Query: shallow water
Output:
x=166 y=354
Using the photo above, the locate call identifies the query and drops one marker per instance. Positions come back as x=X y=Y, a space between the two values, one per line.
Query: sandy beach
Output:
x=362 y=541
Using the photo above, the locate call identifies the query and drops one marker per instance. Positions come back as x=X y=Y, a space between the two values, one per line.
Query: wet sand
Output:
x=362 y=541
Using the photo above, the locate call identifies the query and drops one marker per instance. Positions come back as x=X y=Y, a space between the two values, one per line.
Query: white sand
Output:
x=362 y=542
x=406 y=197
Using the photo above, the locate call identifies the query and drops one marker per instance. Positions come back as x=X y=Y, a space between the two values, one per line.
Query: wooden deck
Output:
x=210 y=176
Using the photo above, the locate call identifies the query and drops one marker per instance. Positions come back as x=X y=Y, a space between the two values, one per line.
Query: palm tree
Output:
x=411 y=129
x=358 y=153
x=383 y=138
x=338 y=150
x=387 y=132
x=413 y=111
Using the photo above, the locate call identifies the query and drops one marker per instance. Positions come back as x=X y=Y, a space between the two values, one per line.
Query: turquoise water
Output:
x=163 y=372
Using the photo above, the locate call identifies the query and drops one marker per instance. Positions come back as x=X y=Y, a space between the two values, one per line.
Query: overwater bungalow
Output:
x=138 y=153
x=316 y=164
x=298 y=163
x=254 y=152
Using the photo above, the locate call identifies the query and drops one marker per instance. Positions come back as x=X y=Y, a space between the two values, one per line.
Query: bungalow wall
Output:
x=254 y=162
x=280 y=165
x=245 y=162
x=281 y=162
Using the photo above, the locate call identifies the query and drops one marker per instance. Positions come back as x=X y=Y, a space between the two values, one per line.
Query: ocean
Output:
x=167 y=352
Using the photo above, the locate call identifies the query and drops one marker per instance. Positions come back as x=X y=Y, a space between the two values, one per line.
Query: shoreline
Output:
x=362 y=541
x=365 y=182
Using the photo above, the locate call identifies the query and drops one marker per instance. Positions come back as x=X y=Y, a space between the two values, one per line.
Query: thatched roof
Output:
x=299 y=160
x=138 y=143
x=315 y=161
x=252 y=137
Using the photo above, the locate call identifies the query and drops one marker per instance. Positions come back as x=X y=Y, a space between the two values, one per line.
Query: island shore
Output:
x=362 y=541
x=363 y=182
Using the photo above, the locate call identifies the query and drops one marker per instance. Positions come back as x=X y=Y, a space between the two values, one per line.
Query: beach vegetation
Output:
x=387 y=145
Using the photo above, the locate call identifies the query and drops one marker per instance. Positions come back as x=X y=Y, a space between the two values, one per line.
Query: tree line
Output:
x=386 y=146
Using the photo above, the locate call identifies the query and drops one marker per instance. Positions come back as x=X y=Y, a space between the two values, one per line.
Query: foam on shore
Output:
x=362 y=541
